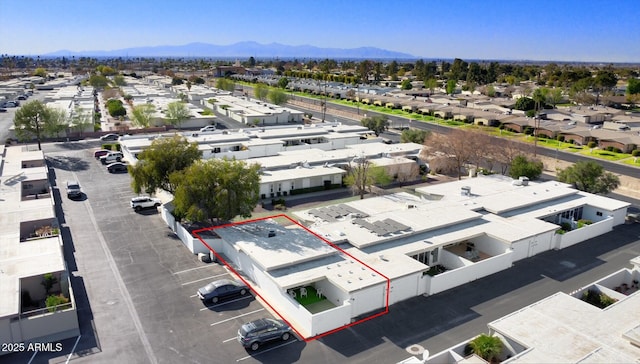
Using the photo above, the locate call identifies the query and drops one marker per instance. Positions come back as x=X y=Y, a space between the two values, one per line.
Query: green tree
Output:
x=451 y=87
x=277 y=97
x=377 y=123
x=521 y=166
x=525 y=104
x=80 y=119
x=414 y=136
x=48 y=281
x=163 y=157
x=176 y=81
x=119 y=80
x=633 y=87
x=31 y=119
x=177 y=112
x=216 y=189
x=487 y=347
x=406 y=84
x=589 y=176
x=362 y=174
x=283 y=82
x=260 y=90
x=431 y=84
x=40 y=72
x=554 y=97
x=141 y=115
x=56 y=123
x=98 y=81
x=225 y=84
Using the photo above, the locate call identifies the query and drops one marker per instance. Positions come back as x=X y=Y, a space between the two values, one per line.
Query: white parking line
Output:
x=235 y=317
x=73 y=349
x=33 y=356
x=204 y=279
x=233 y=338
x=189 y=270
x=193 y=295
x=226 y=302
x=268 y=350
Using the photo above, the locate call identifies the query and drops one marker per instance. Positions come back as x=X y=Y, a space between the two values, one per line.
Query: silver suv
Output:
x=73 y=189
x=144 y=202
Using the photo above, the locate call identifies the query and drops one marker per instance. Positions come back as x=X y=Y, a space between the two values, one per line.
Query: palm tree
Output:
x=487 y=347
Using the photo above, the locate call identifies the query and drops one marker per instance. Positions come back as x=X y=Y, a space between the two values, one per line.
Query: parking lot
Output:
x=135 y=286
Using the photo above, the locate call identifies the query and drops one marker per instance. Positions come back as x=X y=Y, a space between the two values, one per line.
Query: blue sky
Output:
x=563 y=30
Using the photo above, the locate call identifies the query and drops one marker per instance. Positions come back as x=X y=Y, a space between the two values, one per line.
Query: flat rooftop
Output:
x=565 y=329
x=272 y=246
x=29 y=258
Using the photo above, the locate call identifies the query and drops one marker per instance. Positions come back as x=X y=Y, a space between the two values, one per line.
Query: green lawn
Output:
x=633 y=161
x=611 y=156
x=310 y=298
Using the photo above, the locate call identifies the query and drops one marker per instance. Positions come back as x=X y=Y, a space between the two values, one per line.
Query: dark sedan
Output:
x=222 y=289
x=117 y=167
x=255 y=333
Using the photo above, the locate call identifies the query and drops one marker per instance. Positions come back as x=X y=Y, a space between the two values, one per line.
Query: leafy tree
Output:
x=176 y=81
x=521 y=166
x=216 y=188
x=260 y=90
x=177 y=112
x=414 y=136
x=525 y=103
x=431 y=84
x=106 y=70
x=362 y=174
x=377 y=123
x=80 y=119
x=451 y=87
x=115 y=108
x=633 y=87
x=540 y=97
x=163 y=157
x=40 y=72
x=141 y=114
x=31 y=119
x=48 y=281
x=119 y=80
x=225 y=84
x=589 y=176
x=277 y=97
x=283 y=82
x=252 y=62
x=56 y=122
x=487 y=347
x=406 y=84
x=554 y=97
x=98 y=81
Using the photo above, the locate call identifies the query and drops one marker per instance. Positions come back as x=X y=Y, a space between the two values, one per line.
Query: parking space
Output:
x=159 y=276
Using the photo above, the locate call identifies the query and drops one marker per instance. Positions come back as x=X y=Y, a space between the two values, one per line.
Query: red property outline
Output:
x=220 y=259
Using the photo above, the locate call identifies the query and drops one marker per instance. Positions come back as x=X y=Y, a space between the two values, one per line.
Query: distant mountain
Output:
x=242 y=49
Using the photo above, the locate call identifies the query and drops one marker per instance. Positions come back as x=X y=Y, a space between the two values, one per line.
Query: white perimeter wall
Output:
x=368 y=299
x=469 y=272
x=584 y=233
x=404 y=288
x=531 y=246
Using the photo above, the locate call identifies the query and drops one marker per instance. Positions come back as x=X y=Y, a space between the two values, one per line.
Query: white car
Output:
x=208 y=128
x=144 y=202
x=111 y=158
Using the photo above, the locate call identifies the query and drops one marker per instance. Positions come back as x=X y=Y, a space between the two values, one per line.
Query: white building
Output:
x=30 y=249
x=452 y=234
x=565 y=328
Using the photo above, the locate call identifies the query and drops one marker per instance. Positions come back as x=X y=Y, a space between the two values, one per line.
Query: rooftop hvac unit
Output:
x=465 y=191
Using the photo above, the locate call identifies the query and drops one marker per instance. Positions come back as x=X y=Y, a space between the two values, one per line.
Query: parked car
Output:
x=255 y=333
x=73 y=189
x=144 y=202
x=10 y=104
x=111 y=157
x=208 y=128
x=221 y=289
x=117 y=167
x=100 y=152
x=2 y=109
x=21 y=97
x=109 y=137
